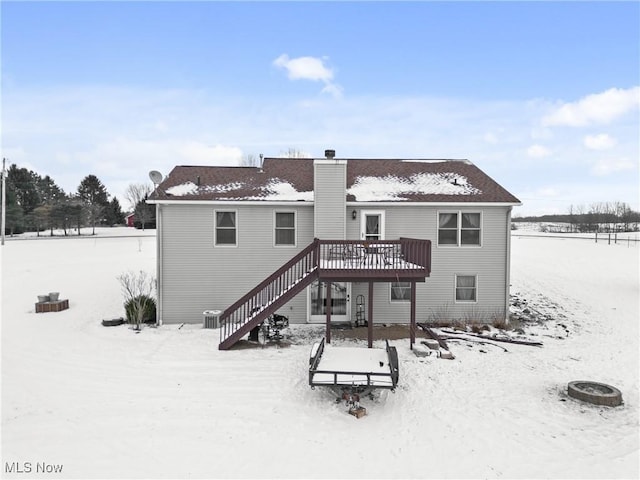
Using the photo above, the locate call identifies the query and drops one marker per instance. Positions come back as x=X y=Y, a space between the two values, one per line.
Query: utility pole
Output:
x=4 y=197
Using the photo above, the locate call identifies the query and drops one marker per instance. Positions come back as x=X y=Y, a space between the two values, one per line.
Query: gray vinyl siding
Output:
x=330 y=200
x=435 y=298
x=198 y=276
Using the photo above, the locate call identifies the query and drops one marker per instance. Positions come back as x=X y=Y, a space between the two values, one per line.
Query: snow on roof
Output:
x=274 y=190
x=391 y=188
x=188 y=188
x=283 y=191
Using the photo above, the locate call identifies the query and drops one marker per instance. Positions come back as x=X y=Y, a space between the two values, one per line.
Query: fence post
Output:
x=609 y=242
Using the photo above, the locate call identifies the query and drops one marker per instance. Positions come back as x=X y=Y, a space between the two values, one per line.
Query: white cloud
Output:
x=304 y=68
x=599 y=108
x=538 y=151
x=333 y=90
x=608 y=166
x=601 y=141
x=309 y=68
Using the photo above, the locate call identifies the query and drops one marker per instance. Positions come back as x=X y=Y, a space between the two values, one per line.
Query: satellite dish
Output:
x=155 y=176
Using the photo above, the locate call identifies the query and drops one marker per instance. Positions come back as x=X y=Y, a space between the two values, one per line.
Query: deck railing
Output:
x=374 y=258
x=333 y=260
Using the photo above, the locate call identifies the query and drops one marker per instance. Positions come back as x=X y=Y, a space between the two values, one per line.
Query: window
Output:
x=457 y=228
x=470 y=229
x=225 y=228
x=448 y=229
x=466 y=286
x=400 y=291
x=285 y=233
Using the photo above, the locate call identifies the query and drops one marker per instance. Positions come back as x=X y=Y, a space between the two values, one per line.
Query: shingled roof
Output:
x=368 y=180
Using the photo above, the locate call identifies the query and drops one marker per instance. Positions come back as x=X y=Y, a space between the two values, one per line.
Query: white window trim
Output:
x=295 y=229
x=459 y=229
x=363 y=215
x=455 y=288
x=392 y=300
x=215 y=228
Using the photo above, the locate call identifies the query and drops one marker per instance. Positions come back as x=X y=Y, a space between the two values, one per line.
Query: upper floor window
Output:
x=459 y=228
x=285 y=232
x=226 y=228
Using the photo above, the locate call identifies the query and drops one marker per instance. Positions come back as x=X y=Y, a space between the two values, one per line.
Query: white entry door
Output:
x=340 y=302
x=372 y=225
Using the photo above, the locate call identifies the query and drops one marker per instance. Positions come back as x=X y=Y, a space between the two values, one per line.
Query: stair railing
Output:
x=250 y=310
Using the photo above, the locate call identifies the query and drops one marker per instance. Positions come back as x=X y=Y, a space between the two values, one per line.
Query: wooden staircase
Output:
x=270 y=295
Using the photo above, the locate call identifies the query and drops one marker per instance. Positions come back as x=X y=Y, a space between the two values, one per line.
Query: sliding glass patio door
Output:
x=340 y=308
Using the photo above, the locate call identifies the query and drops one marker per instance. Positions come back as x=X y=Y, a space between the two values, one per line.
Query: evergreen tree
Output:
x=93 y=195
x=23 y=184
x=50 y=195
x=14 y=218
x=113 y=213
x=49 y=191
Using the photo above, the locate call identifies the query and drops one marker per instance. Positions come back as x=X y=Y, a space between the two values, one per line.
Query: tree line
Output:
x=36 y=204
x=597 y=217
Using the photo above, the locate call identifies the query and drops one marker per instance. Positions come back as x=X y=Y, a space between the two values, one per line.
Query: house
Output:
x=389 y=240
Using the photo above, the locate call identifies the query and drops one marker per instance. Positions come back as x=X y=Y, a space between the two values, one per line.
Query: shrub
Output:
x=500 y=323
x=139 y=305
x=143 y=303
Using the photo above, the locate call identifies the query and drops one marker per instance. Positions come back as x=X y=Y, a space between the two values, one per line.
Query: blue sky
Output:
x=543 y=96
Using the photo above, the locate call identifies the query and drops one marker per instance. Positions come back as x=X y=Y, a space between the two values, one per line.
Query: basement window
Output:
x=466 y=288
x=400 y=291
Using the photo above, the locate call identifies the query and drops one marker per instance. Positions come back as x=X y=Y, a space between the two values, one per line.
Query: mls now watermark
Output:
x=32 y=467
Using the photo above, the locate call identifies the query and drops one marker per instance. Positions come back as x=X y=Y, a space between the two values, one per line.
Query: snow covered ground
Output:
x=100 y=402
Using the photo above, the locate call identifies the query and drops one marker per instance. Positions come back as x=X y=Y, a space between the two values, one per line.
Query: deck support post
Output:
x=412 y=328
x=328 y=308
x=370 y=322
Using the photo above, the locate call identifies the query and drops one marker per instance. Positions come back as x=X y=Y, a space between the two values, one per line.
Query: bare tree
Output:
x=624 y=214
x=572 y=219
x=249 y=160
x=294 y=153
x=136 y=194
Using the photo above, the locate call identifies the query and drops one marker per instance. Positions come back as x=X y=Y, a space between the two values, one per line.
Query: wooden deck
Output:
x=402 y=260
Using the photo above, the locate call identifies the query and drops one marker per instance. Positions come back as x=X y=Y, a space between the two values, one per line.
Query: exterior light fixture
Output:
x=354 y=214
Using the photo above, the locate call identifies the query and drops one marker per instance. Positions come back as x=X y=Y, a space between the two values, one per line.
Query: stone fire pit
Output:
x=594 y=392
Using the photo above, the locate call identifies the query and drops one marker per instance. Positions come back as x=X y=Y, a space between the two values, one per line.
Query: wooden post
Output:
x=328 y=307
x=370 y=324
x=412 y=328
